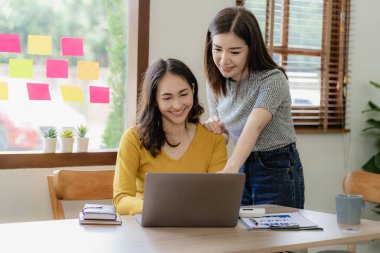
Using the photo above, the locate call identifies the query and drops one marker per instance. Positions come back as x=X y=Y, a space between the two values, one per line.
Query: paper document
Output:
x=280 y=221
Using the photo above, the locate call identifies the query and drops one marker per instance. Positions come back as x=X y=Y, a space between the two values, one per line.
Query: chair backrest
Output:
x=363 y=183
x=78 y=185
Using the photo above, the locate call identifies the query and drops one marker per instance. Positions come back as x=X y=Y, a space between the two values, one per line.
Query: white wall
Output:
x=178 y=30
x=338 y=154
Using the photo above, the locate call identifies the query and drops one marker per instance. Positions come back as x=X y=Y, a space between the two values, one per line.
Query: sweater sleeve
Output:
x=127 y=165
x=273 y=91
x=219 y=155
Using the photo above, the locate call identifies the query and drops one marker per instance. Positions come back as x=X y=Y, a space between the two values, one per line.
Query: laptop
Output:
x=191 y=200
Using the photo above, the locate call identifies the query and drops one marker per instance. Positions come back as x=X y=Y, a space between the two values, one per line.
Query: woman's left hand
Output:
x=228 y=170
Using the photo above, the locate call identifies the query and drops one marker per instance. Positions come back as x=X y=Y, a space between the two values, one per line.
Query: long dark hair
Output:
x=149 y=118
x=243 y=24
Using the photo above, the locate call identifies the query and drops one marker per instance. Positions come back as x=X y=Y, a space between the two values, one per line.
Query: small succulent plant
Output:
x=51 y=133
x=82 y=130
x=66 y=133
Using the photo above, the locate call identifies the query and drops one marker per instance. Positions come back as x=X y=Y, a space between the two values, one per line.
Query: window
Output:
x=137 y=54
x=310 y=40
x=102 y=25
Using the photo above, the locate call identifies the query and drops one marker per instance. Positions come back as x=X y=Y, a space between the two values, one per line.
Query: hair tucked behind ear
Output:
x=243 y=24
x=149 y=118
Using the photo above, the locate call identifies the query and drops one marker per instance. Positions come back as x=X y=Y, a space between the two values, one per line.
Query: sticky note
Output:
x=57 y=68
x=38 y=91
x=71 y=46
x=3 y=91
x=39 y=44
x=72 y=93
x=88 y=70
x=21 y=68
x=99 y=94
x=10 y=43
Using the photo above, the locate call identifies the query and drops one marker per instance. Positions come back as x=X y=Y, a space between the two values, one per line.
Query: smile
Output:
x=178 y=113
x=227 y=69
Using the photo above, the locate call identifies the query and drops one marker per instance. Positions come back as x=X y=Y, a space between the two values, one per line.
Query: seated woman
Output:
x=167 y=136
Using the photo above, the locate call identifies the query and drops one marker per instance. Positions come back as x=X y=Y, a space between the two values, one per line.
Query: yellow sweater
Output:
x=206 y=153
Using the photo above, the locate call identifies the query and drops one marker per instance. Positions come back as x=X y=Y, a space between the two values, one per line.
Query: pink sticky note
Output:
x=10 y=43
x=38 y=91
x=99 y=94
x=57 y=68
x=72 y=46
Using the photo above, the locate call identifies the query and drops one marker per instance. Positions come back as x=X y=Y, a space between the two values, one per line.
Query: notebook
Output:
x=83 y=221
x=99 y=212
x=191 y=200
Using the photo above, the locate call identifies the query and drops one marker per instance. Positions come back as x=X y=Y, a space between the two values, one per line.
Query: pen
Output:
x=254 y=221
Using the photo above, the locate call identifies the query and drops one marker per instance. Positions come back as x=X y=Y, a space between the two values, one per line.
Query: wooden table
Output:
x=69 y=236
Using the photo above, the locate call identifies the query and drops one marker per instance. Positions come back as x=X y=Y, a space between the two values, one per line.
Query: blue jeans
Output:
x=274 y=177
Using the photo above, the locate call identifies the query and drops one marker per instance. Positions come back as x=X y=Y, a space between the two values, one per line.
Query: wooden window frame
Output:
x=138 y=57
x=330 y=116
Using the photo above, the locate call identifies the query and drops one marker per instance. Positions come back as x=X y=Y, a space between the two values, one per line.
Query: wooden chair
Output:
x=363 y=183
x=78 y=185
x=360 y=183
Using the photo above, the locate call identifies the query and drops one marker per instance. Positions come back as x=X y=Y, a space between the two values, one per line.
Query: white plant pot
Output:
x=81 y=144
x=67 y=145
x=49 y=145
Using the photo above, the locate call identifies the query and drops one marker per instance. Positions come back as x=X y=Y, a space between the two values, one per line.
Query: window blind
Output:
x=310 y=40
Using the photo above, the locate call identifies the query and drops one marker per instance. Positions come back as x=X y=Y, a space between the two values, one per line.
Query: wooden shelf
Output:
x=41 y=160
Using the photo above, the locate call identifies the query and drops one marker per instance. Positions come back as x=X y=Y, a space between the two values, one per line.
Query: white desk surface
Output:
x=68 y=236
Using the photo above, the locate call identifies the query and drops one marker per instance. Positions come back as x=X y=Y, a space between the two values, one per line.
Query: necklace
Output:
x=173 y=145
x=178 y=143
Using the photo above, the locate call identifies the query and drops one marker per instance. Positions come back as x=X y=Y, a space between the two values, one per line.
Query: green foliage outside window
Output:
x=117 y=58
x=70 y=18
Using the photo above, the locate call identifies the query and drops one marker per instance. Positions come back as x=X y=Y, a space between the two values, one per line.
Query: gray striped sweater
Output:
x=267 y=89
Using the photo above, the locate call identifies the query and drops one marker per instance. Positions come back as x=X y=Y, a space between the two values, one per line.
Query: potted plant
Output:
x=373 y=164
x=67 y=140
x=81 y=142
x=49 y=141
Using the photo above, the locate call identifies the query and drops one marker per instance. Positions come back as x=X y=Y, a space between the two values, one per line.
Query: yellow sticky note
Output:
x=39 y=44
x=3 y=91
x=88 y=70
x=72 y=93
x=21 y=68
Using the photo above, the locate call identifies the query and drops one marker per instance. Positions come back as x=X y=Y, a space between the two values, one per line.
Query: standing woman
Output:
x=249 y=98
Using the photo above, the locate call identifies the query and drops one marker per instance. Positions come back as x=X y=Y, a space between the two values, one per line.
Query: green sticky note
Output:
x=21 y=68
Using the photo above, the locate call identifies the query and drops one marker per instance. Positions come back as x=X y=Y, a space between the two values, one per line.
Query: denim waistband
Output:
x=290 y=148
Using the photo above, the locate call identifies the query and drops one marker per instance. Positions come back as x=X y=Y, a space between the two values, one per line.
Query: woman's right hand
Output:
x=214 y=125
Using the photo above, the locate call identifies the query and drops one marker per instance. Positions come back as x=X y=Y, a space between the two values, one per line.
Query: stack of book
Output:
x=99 y=214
